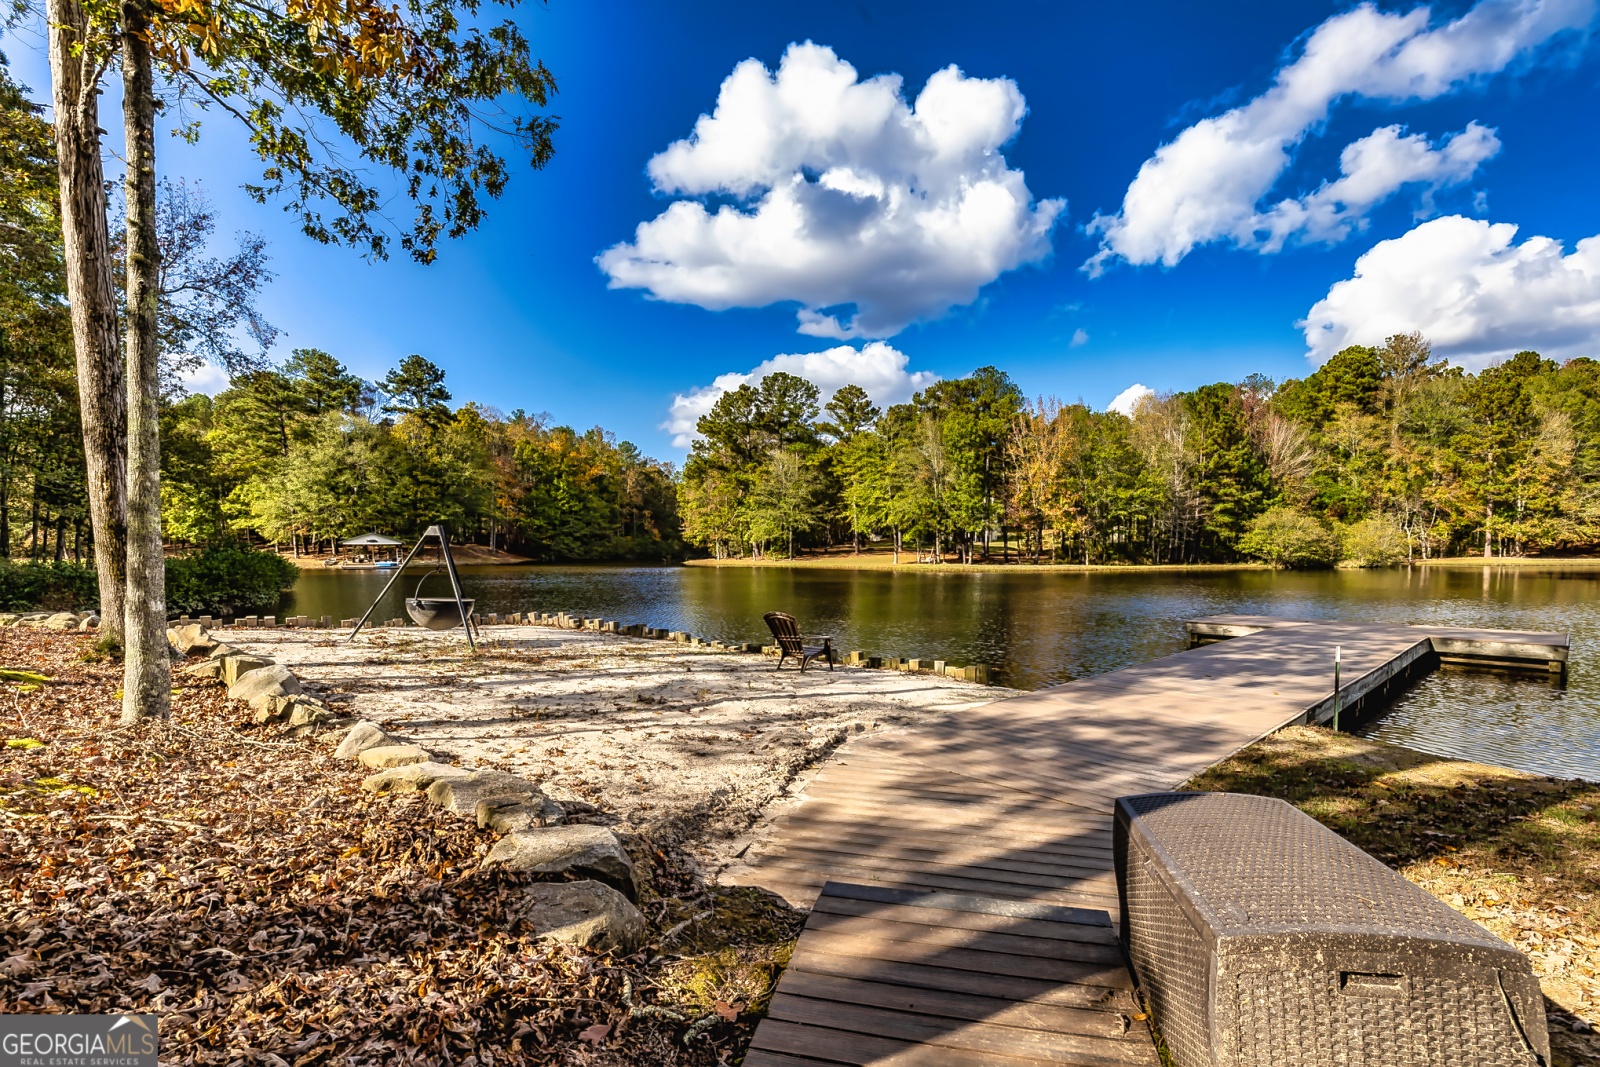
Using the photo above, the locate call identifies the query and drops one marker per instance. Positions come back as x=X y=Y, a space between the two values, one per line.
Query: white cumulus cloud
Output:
x=1477 y=295
x=1080 y=337
x=207 y=378
x=1371 y=170
x=1125 y=401
x=869 y=212
x=880 y=369
x=1209 y=182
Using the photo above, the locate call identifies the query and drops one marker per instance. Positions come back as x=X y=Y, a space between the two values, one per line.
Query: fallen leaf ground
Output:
x=1516 y=852
x=237 y=882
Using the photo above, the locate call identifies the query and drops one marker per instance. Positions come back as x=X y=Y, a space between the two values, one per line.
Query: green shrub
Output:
x=226 y=580
x=1377 y=541
x=47 y=586
x=1284 y=537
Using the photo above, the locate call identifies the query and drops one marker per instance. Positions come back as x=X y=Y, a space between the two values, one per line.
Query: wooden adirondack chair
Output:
x=790 y=643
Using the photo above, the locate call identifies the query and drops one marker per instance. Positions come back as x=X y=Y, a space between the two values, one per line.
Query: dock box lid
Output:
x=1246 y=867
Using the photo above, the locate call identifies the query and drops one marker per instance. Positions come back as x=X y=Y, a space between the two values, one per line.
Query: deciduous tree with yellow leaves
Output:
x=329 y=90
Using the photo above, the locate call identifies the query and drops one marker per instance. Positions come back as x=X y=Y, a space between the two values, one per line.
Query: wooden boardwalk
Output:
x=1009 y=806
x=890 y=976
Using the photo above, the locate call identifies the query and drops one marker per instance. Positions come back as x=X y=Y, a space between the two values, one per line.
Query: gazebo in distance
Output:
x=379 y=551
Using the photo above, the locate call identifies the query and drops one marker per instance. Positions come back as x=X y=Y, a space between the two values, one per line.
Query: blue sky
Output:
x=1237 y=231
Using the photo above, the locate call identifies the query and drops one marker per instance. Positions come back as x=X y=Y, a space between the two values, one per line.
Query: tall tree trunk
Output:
x=61 y=538
x=5 y=511
x=5 y=460
x=147 y=674
x=75 y=74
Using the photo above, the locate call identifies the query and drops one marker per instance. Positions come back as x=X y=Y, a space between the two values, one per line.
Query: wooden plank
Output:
x=946 y=842
x=1002 y=872
x=884 y=804
x=1109 y=975
x=763 y=1058
x=938 y=917
x=1090 y=1022
x=885 y=928
x=859 y=1050
x=973 y=904
x=1059 y=894
x=1044 y=1045
x=816 y=960
x=1088 y=843
x=939 y=859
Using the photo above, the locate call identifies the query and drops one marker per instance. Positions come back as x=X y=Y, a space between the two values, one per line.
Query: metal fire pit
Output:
x=1262 y=937
x=437 y=612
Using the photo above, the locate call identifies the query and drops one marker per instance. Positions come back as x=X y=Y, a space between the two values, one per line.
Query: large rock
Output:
x=205 y=669
x=412 y=778
x=461 y=795
x=90 y=622
x=386 y=756
x=261 y=686
x=61 y=620
x=238 y=664
x=508 y=814
x=308 y=712
x=9 y=619
x=222 y=651
x=586 y=914
x=191 y=639
x=274 y=709
x=590 y=851
x=362 y=736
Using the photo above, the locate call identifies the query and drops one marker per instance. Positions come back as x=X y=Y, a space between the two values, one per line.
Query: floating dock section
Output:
x=1451 y=645
x=943 y=860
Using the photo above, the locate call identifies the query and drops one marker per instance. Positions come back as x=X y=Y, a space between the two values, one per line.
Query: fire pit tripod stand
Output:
x=436 y=613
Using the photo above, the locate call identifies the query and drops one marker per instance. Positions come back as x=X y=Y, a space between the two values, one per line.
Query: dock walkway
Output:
x=1009 y=807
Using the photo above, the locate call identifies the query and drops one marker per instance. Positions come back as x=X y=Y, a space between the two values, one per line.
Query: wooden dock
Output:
x=1008 y=806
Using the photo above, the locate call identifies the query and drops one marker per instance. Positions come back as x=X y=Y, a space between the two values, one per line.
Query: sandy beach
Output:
x=650 y=733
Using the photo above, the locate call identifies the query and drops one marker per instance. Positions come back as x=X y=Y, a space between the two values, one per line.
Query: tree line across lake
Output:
x=1384 y=454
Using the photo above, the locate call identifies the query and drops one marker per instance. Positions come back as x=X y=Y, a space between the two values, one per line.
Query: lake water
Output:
x=1038 y=629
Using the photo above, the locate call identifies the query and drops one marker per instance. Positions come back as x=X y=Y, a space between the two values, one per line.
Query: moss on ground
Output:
x=1518 y=853
x=734 y=944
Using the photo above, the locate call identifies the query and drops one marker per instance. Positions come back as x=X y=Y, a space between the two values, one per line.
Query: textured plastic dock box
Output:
x=1263 y=939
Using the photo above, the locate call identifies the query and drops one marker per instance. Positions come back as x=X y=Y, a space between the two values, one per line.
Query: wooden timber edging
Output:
x=1008 y=807
x=980 y=673
x=974 y=672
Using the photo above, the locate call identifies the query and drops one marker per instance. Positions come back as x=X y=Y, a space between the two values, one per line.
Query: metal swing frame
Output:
x=436 y=530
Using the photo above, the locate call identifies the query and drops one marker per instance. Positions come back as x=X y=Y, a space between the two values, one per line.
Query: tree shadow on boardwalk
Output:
x=1008 y=803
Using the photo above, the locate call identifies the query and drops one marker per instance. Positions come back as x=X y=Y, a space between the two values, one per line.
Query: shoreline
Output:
x=876 y=562
x=882 y=562
x=464 y=555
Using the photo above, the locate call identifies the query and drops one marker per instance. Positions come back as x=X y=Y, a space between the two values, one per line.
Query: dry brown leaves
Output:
x=242 y=886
